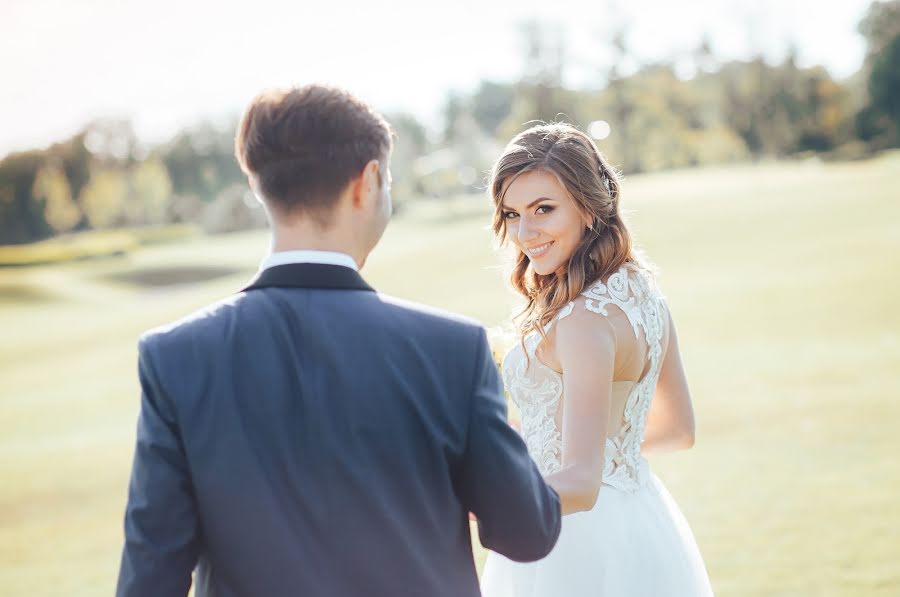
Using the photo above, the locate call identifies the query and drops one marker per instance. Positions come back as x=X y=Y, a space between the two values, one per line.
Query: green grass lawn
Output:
x=784 y=280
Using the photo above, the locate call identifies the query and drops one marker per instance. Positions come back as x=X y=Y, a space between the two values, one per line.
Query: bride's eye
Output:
x=508 y=215
x=546 y=209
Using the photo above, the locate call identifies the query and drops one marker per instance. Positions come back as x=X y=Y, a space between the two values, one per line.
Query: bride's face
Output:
x=542 y=220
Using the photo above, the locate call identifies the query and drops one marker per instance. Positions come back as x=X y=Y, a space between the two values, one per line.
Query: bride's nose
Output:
x=526 y=231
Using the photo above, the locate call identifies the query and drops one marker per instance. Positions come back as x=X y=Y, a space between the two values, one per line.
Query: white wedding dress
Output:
x=634 y=541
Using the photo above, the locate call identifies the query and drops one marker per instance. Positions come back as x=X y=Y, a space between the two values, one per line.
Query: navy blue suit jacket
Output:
x=310 y=436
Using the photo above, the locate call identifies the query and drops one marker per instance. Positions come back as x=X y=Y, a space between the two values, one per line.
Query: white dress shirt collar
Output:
x=328 y=257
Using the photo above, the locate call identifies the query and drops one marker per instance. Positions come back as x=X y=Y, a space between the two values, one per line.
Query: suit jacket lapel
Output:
x=309 y=275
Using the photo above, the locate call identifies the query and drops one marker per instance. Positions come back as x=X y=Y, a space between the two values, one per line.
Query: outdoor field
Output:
x=784 y=280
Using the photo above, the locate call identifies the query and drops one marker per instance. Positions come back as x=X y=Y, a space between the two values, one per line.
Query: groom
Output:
x=309 y=436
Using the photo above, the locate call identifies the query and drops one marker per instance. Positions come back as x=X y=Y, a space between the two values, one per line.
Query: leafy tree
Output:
x=150 y=194
x=103 y=198
x=21 y=217
x=879 y=121
x=201 y=163
x=52 y=187
x=880 y=26
x=410 y=144
x=25 y=217
x=491 y=104
x=453 y=111
x=884 y=90
x=539 y=94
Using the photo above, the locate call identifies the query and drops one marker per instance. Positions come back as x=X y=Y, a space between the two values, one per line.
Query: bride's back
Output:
x=633 y=362
x=631 y=305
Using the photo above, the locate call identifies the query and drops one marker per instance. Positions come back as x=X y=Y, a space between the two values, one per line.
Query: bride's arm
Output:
x=586 y=349
x=670 y=422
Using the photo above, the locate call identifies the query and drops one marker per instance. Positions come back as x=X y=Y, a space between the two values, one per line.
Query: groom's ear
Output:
x=366 y=187
x=253 y=181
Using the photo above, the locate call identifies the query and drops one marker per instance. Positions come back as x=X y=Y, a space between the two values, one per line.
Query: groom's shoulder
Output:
x=418 y=314
x=204 y=324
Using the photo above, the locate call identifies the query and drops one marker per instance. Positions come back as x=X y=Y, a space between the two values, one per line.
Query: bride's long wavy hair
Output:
x=593 y=184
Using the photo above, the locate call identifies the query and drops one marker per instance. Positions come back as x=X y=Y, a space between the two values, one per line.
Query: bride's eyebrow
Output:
x=530 y=205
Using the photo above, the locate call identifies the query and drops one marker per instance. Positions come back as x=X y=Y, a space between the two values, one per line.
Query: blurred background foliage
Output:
x=653 y=119
x=765 y=191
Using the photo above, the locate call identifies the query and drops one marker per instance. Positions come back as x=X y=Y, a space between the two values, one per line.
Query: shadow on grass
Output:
x=158 y=277
x=23 y=293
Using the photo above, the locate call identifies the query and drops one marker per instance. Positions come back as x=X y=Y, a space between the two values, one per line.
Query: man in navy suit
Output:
x=309 y=436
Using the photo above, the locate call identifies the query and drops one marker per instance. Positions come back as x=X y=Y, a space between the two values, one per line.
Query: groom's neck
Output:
x=301 y=234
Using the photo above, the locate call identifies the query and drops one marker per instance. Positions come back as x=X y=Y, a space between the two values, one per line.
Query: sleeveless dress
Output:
x=634 y=541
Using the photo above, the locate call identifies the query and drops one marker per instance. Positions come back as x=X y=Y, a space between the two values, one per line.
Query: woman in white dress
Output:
x=597 y=378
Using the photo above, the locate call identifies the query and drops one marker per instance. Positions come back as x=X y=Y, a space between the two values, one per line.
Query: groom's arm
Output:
x=161 y=527
x=518 y=514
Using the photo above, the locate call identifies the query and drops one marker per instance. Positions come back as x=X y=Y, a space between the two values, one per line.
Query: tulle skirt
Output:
x=629 y=544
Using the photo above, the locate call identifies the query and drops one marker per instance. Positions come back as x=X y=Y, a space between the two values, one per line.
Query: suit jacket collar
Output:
x=309 y=275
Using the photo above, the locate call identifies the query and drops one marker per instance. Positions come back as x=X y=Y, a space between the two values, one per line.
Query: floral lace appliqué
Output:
x=537 y=390
x=537 y=397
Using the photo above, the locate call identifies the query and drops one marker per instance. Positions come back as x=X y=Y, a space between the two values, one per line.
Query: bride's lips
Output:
x=538 y=251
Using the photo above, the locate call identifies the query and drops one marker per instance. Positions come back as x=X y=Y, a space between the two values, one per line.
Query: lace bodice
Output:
x=537 y=390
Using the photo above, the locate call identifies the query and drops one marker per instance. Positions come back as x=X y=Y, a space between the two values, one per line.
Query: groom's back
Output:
x=321 y=429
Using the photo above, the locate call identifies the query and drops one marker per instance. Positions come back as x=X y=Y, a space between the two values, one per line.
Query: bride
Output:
x=597 y=377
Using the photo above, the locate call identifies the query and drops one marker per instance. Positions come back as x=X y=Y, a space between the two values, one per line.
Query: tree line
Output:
x=647 y=120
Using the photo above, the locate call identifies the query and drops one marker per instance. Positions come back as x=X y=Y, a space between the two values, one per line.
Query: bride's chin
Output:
x=541 y=270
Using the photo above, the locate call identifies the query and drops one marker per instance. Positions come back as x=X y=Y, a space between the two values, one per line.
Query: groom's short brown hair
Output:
x=304 y=144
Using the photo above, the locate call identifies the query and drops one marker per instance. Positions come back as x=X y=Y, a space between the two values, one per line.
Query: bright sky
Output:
x=165 y=64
